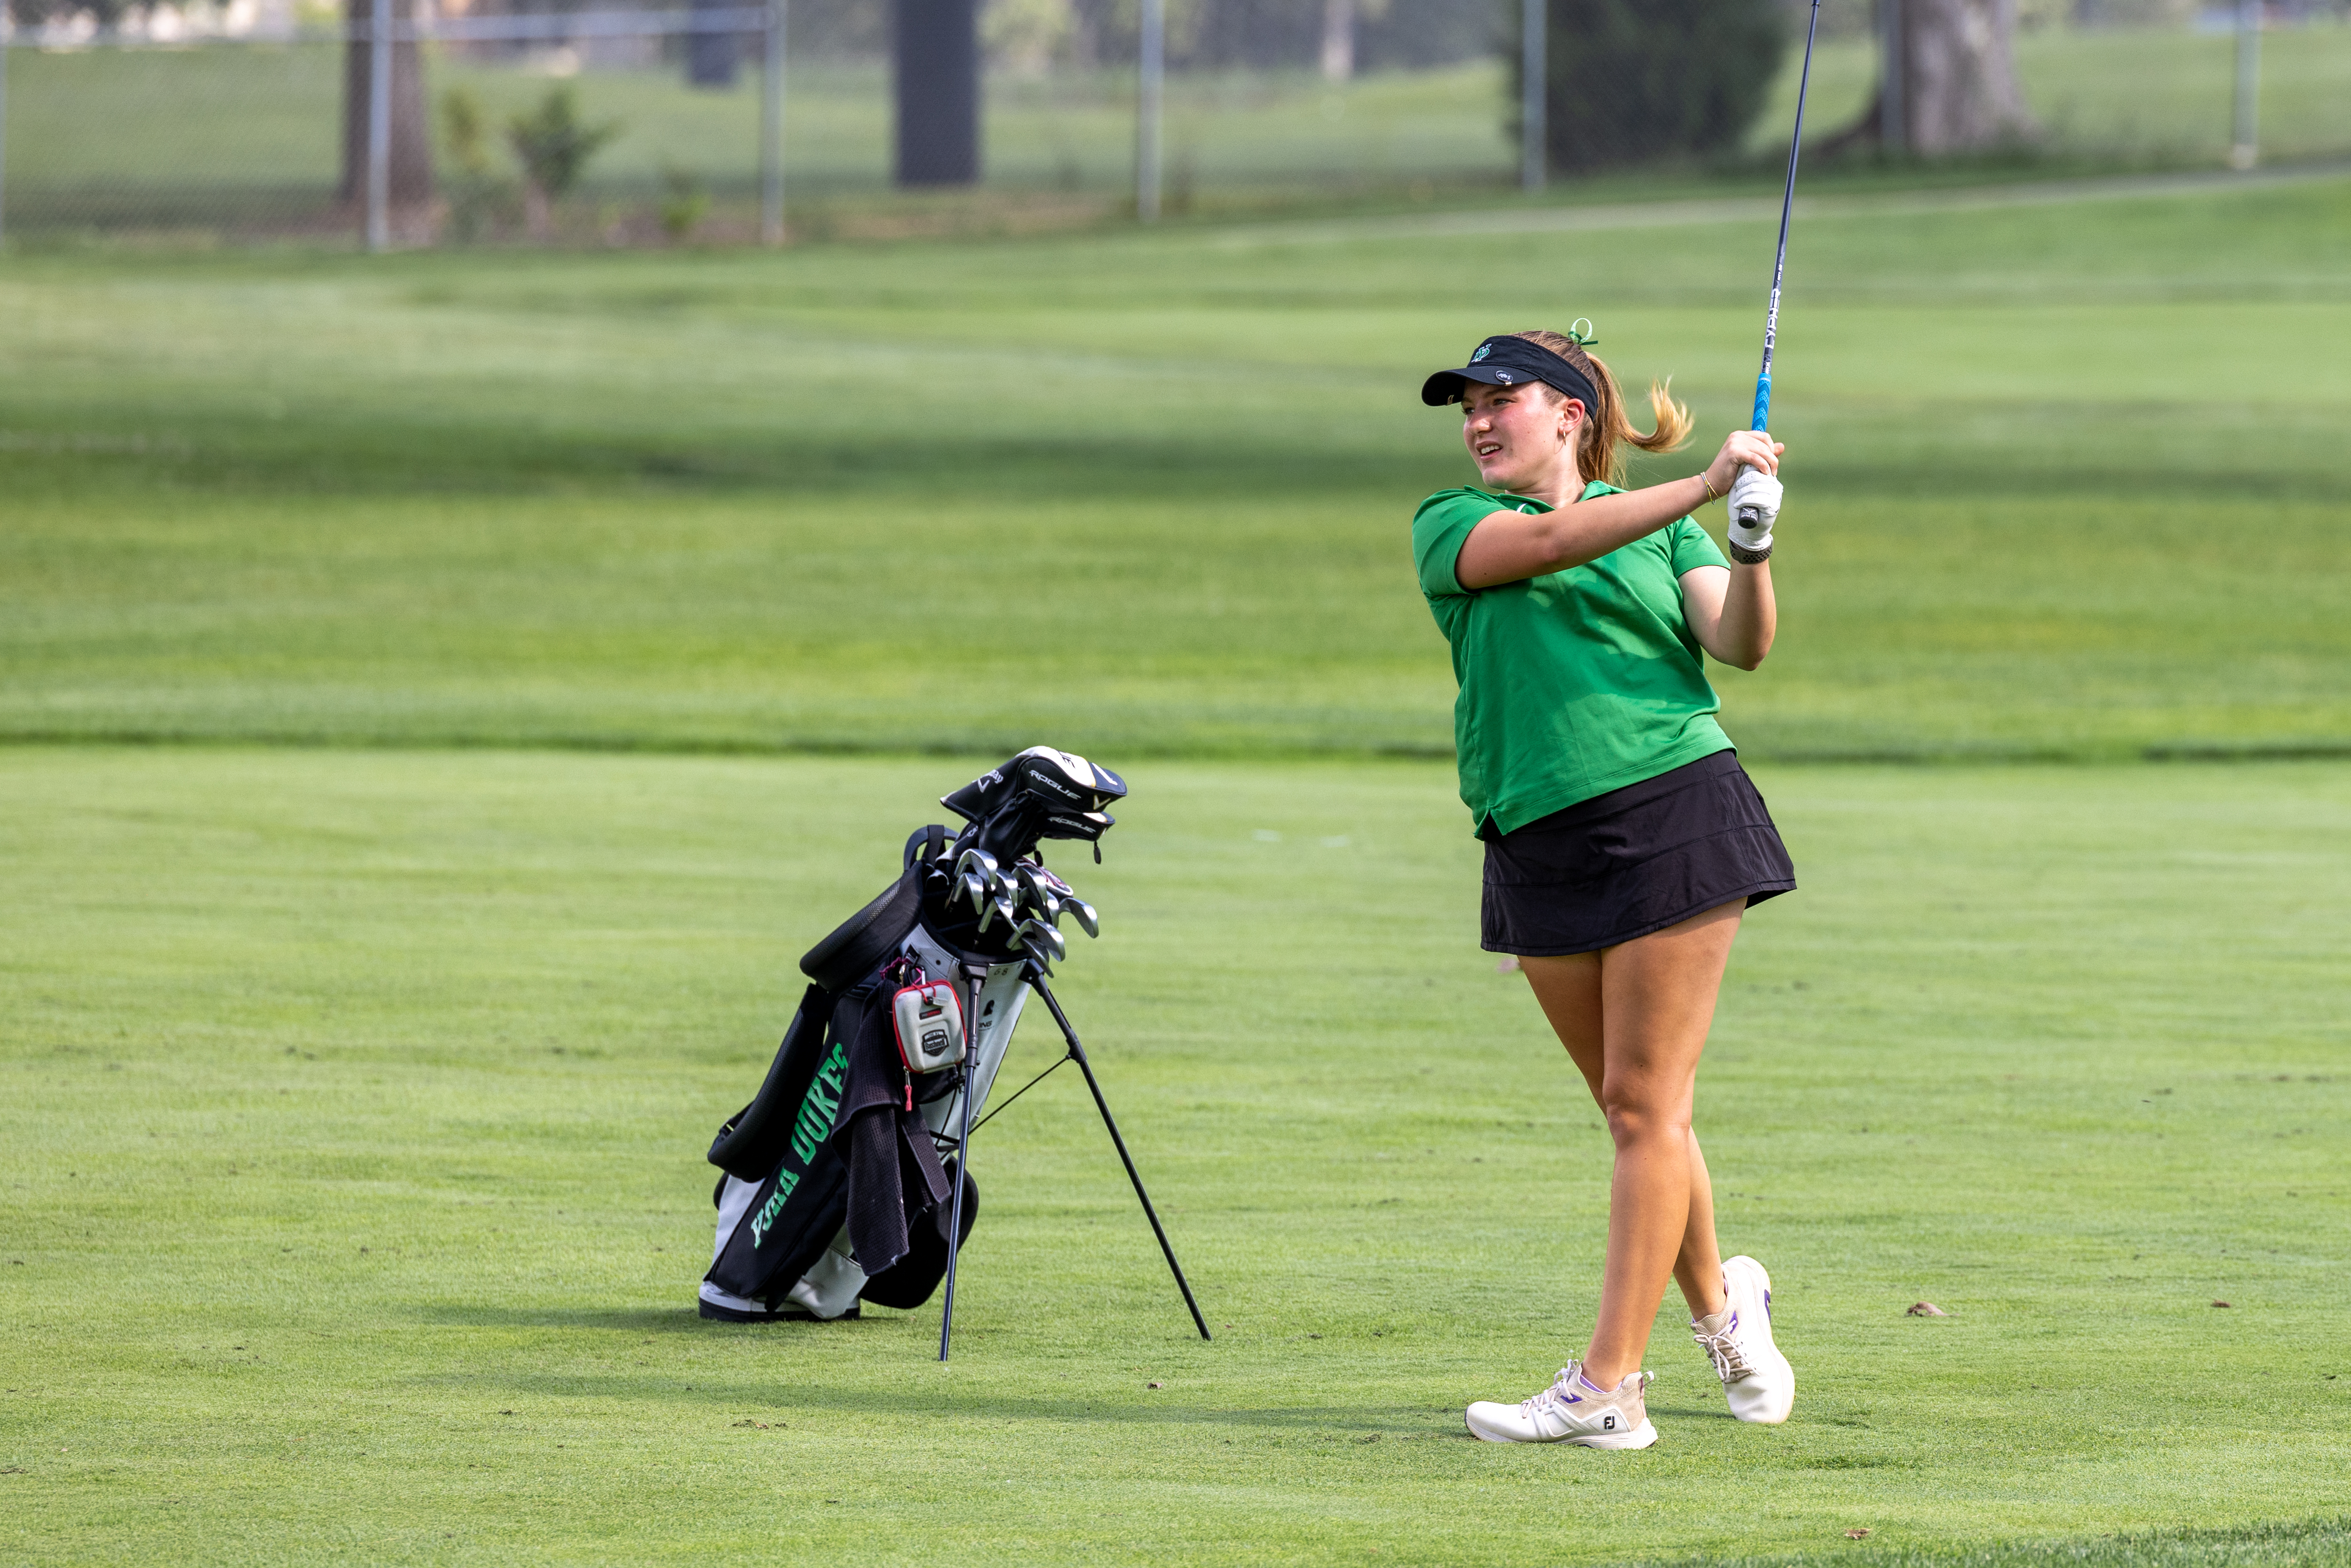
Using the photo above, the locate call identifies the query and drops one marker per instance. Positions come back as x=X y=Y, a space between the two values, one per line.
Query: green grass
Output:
x=353 y=1205
x=354 y=1095
x=2062 y=483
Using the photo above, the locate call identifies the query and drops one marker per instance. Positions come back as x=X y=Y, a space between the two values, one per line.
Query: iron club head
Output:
x=1083 y=913
x=1037 y=935
x=1038 y=892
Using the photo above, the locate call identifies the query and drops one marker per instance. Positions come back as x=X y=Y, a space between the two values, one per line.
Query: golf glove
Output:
x=1756 y=495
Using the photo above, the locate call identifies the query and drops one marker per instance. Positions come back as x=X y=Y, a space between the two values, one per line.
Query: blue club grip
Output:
x=1763 y=403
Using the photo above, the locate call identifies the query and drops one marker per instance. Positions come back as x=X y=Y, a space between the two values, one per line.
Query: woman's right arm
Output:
x=1510 y=547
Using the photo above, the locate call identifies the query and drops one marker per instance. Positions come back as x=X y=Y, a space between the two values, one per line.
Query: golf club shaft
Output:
x=962 y=1163
x=1762 y=417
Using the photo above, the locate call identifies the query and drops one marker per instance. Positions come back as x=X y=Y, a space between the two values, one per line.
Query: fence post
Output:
x=1893 y=133
x=772 y=128
x=379 y=128
x=1151 y=72
x=8 y=36
x=2244 y=147
x=1534 y=84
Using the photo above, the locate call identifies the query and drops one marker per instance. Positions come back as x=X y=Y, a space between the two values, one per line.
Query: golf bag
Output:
x=839 y=1178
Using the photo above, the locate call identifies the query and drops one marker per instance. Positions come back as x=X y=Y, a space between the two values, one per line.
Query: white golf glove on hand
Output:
x=1754 y=494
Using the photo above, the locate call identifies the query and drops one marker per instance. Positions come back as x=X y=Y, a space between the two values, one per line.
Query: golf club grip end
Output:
x=1748 y=516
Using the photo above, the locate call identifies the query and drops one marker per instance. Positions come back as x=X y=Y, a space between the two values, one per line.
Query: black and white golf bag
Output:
x=841 y=1172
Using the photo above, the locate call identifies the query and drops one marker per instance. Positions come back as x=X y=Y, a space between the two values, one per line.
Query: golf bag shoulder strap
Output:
x=859 y=944
x=752 y=1143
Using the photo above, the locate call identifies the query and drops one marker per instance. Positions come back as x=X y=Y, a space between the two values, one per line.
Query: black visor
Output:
x=1508 y=363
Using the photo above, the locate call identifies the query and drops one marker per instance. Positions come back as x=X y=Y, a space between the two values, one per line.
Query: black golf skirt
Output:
x=1634 y=860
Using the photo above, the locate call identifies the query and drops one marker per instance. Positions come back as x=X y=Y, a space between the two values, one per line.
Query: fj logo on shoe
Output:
x=1608 y=1423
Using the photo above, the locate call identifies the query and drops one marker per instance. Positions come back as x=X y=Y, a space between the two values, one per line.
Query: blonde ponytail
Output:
x=1606 y=427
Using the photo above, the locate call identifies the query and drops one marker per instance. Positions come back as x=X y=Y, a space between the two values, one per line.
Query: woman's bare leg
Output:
x=1698 y=1267
x=1634 y=1019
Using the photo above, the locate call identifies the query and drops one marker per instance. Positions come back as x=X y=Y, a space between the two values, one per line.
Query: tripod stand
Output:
x=1033 y=973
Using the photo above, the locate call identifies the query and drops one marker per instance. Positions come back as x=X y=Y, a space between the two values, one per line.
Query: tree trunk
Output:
x=412 y=139
x=1958 y=90
x=936 y=57
x=1959 y=68
x=1338 y=41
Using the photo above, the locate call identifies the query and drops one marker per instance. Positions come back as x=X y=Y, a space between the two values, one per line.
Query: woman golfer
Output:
x=1623 y=839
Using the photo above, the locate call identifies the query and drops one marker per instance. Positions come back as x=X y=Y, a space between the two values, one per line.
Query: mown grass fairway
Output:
x=355 y=1207
x=362 y=1025
x=2066 y=480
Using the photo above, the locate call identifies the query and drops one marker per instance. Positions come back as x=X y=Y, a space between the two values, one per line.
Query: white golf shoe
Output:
x=1756 y=1378
x=1570 y=1411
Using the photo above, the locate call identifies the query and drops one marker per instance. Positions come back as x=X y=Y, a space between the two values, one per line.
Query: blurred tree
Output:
x=106 y=14
x=1028 y=38
x=685 y=203
x=479 y=197
x=1632 y=81
x=1957 y=90
x=553 y=145
x=412 y=134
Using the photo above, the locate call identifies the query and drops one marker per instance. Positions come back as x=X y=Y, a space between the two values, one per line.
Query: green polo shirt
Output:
x=1573 y=684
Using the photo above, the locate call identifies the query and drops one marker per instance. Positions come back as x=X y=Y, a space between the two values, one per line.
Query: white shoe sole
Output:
x=1770 y=1393
x=1774 y=1408
x=1641 y=1437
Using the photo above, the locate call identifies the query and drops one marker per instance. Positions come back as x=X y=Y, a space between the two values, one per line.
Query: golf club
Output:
x=1036 y=935
x=1748 y=516
x=980 y=861
x=1037 y=888
x=1083 y=913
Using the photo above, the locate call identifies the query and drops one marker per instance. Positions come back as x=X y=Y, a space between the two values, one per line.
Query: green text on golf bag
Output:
x=817 y=1112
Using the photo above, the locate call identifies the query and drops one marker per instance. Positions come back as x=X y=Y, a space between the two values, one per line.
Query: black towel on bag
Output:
x=895 y=1175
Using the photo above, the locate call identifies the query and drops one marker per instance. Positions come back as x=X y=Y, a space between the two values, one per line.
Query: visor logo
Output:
x=1483 y=349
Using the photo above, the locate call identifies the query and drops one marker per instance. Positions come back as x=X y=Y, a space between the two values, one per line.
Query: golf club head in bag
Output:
x=1041 y=794
x=1041 y=890
x=974 y=894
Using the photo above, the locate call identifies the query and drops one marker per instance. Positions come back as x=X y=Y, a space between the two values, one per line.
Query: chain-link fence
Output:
x=494 y=121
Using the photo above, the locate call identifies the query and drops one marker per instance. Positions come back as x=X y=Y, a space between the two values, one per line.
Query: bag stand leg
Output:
x=1077 y=1054
x=1036 y=978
